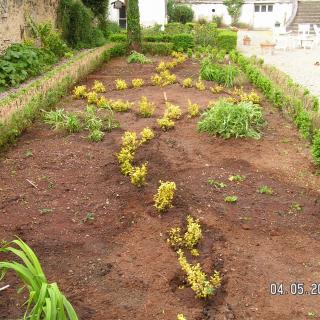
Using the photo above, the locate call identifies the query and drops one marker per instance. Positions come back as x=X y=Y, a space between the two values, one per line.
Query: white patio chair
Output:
x=303 y=30
x=303 y=39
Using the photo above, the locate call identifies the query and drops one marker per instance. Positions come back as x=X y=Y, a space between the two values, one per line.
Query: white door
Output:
x=263 y=16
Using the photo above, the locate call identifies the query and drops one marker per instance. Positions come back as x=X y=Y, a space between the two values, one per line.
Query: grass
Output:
x=243 y=120
x=136 y=57
x=45 y=300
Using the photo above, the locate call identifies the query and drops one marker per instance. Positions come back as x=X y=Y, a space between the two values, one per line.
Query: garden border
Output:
x=18 y=109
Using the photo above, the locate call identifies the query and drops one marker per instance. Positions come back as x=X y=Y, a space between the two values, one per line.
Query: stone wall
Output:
x=13 y=13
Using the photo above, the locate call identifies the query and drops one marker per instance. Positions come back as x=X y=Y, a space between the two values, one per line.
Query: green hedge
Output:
x=227 y=40
x=182 y=42
x=158 y=38
x=157 y=48
x=118 y=37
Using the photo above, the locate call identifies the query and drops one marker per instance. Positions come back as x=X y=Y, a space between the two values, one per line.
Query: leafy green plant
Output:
x=316 y=148
x=172 y=111
x=146 y=135
x=137 y=83
x=133 y=25
x=197 y=279
x=187 y=83
x=237 y=178
x=164 y=195
x=180 y=13
x=61 y=120
x=80 y=92
x=216 y=184
x=138 y=175
x=231 y=199
x=121 y=84
x=96 y=135
x=232 y=120
x=45 y=300
x=165 y=123
x=265 y=190
x=193 y=109
x=180 y=316
x=200 y=85
x=121 y=106
x=136 y=57
x=98 y=87
x=234 y=9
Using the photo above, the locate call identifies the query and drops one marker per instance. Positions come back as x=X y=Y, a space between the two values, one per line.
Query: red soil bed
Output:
x=118 y=266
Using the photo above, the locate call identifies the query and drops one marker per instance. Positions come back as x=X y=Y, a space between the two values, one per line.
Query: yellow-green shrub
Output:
x=164 y=196
x=216 y=89
x=121 y=84
x=161 y=66
x=187 y=83
x=146 y=135
x=165 y=123
x=92 y=97
x=80 y=92
x=252 y=96
x=193 y=109
x=156 y=80
x=98 y=87
x=120 y=105
x=125 y=159
x=180 y=316
x=137 y=83
x=130 y=141
x=146 y=108
x=197 y=279
x=172 y=111
x=167 y=78
x=102 y=102
x=138 y=175
x=200 y=85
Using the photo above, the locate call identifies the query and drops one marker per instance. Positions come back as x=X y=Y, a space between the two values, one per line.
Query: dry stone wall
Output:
x=13 y=13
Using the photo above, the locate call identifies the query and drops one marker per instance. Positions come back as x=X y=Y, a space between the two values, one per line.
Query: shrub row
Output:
x=18 y=109
x=157 y=48
x=222 y=39
x=301 y=108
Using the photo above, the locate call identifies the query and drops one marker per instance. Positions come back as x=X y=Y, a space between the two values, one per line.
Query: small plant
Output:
x=167 y=78
x=296 y=207
x=60 y=120
x=180 y=316
x=98 y=87
x=216 y=184
x=172 y=111
x=130 y=141
x=80 y=92
x=200 y=85
x=71 y=123
x=146 y=135
x=316 y=148
x=136 y=57
x=103 y=103
x=96 y=135
x=197 y=279
x=250 y=97
x=187 y=83
x=92 y=97
x=156 y=80
x=265 y=190
x=138 y=175
x=146 y=108
x=121 y=106
x=237 y=178
x=193 y=109
x=165 y=123
x=164 y=196
x=137 y=83
x=125 y=158
x=45 y=300
x=190 y=239
x=231 y=199
x=161 y=66
x=121 y=84
x=217 y=89
x=232 y=120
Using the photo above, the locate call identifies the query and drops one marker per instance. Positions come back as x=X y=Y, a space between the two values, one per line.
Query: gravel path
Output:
x=297 y=63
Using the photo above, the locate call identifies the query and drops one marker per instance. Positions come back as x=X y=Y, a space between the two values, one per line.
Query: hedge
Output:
x=157 y=48
x=158 y=38
x=19 y=109
x=118 y=37
x=227 y=40
x=182 y=42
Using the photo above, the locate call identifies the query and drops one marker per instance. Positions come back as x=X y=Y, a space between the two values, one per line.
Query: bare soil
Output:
x=119 y=266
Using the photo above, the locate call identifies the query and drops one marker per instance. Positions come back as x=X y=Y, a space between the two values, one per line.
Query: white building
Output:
x=259 y=14
x=151 y=12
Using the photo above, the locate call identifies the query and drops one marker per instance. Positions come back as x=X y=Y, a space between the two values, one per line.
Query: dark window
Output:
x=264 y=8
x=256 y=8
x=270 y=8
x=213 y=10
x=122 y=13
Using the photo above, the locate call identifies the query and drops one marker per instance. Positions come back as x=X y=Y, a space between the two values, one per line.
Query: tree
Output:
x=133 y=28
x=234 y=9
x=179 y=13
x=99 y=8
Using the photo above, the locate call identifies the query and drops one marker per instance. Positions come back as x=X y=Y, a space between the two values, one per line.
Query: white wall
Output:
x=151 y=12
x=281 y=11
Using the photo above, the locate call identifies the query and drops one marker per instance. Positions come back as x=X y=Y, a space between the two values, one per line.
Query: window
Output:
x=265 y=7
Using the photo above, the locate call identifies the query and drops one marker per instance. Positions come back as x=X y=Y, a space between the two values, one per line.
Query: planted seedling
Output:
x=216 y=184
x=265 y=190
x=236 y=178
x=231 y=199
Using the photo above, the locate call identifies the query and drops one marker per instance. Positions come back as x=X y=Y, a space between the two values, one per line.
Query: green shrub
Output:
x=205 y=34
x=304 y=122
x=234 y=9
x=226 y=40
x=176 y=27
x=217 y=20
x=118 y=37
x=182 y=42
x=158 y=38
x=222 y=74
x=181 y=13
x=316 y=147
x=230 y=120
x=136 y=57
x=157 y=48
x=77 y=24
